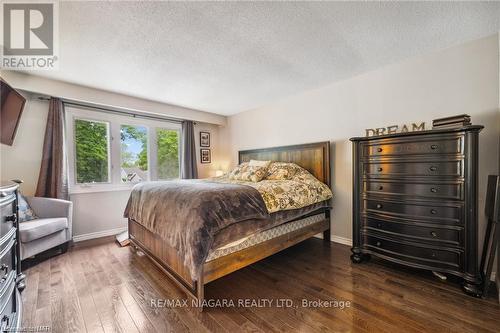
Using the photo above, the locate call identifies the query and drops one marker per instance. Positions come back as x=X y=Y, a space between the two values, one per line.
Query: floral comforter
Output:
x=300 y=191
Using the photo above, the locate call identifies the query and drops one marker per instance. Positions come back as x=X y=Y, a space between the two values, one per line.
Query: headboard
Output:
x=314 y=157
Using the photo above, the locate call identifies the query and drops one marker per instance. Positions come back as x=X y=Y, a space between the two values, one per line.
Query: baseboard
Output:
x=98 y=234
x=337 y=239
x=341 y=240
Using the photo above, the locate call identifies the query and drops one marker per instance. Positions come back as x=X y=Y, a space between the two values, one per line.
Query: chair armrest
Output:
x=50 y=208
x=53 y=208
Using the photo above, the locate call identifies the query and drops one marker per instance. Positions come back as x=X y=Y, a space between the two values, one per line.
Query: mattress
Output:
x=263 y=236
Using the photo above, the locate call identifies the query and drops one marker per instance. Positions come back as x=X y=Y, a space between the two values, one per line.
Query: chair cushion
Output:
x=35 y=229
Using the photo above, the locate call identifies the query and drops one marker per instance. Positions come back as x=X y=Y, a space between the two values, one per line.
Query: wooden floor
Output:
x=98 y=286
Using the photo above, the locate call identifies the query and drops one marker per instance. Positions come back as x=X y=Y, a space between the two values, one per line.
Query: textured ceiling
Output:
x=228 y=57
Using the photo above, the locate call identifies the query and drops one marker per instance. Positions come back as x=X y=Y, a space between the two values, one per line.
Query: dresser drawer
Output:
x=6 y=198
x=7 y=218
x=438 y=169
x=430 y=190
x=7 y=257
x=399 y=148
x=8 y=299
x=412 y=210
x=432 y=234
x=417 y=253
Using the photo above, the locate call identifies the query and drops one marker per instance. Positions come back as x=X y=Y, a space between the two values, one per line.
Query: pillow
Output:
x=248 y=173
x=259 y=163
x=238 y=169
x=25 y=211
x=282 y=171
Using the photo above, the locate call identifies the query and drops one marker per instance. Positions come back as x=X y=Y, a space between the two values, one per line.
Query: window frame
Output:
x=114 y=122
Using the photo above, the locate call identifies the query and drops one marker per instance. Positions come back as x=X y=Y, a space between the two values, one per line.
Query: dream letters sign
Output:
x=395 y=129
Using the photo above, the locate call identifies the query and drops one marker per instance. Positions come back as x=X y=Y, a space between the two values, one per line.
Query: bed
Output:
x=227 y=257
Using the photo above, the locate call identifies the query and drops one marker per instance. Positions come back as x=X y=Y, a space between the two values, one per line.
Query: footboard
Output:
x=165 y=257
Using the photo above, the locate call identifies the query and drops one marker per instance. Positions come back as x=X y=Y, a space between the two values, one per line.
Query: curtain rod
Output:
x=94 y=107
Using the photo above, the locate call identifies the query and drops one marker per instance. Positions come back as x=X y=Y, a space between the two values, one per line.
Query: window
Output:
x=167 y=142
x=134 y=153
x=92 y=151
x=113 y=152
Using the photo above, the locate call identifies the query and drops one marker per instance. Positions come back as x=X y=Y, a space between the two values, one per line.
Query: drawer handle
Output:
x=379 y=206
x=379 y=225
x=434 y=190
x=378 y=244
x=434 y=147
x=10 y=218
x=4 y=268
x=433 y=168
x=380 y=188
x=433 y=211
x=434 y=234
x=434 y=254
x=21 y=285
x=379 y=150
x=380 y=169
x=5 y=323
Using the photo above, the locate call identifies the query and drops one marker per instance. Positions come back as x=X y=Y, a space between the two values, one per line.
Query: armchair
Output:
x=52 y=228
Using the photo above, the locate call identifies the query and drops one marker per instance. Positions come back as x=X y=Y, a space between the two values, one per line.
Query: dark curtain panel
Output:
x=53 y=179
x=189 y=169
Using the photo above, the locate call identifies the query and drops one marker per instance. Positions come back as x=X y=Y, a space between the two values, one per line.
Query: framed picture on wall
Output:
x=205 y=156
x=204 y=139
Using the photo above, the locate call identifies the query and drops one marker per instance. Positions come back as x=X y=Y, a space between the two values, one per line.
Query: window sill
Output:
x=100 y=188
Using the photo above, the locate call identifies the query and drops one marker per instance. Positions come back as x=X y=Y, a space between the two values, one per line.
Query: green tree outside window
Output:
x=92 y=164
x=168 y=153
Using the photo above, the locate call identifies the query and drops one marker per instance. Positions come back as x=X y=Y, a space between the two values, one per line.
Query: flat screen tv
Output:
x=12 y=108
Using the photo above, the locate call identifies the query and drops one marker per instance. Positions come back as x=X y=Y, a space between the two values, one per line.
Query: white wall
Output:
x=208 y=169
x=98 y=214
x=80 y=93
x=463 y=79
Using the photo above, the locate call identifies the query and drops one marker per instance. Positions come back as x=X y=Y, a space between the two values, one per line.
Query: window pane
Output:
x=92 y=162
x=134 y=153
x=168 y=153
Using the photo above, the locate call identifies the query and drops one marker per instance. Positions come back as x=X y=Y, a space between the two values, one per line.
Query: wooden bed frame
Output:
x=314 y=157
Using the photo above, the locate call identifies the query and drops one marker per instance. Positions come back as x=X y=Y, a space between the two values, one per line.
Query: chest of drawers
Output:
x=11 y=278
x=415 y=201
